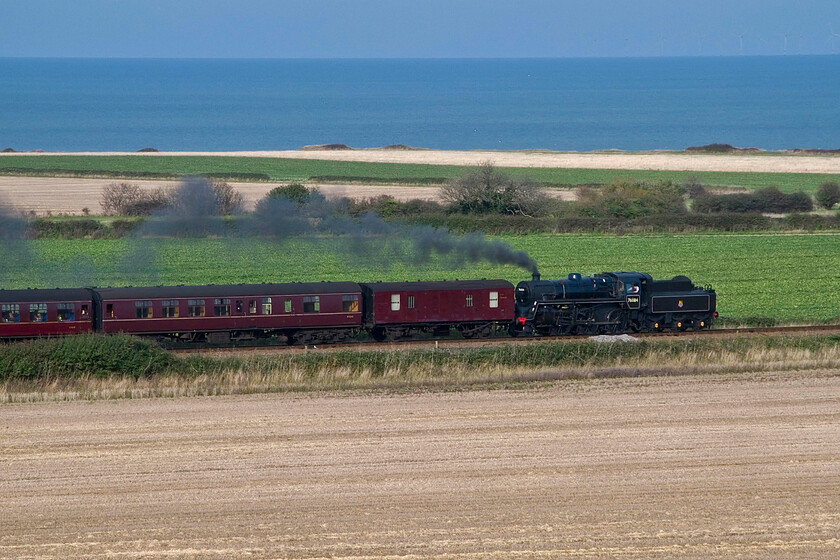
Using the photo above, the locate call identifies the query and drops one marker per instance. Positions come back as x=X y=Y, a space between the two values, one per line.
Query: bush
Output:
x=828 y=194
x=630 y=199
x=82 y=355
x=65 y=229
x=488 y=191
x=116 y=196
x=693 y=187
x=148 y=203
x=387 y=206
x=128 y=199
x=800 y=202
x=295 y=192
x=768 y=199
x=707 y=204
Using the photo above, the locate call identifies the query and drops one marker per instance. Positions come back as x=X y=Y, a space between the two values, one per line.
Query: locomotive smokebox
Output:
x=535 y=277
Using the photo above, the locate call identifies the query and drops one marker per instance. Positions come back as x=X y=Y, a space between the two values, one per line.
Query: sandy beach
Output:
x=664 y=161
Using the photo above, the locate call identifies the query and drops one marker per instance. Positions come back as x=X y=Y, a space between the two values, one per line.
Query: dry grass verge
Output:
x=416 y=370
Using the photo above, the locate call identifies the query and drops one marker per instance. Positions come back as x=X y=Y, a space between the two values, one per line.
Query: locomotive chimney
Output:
x=535 y=276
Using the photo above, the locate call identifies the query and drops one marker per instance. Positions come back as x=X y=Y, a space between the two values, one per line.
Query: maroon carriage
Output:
x=395 y=310
x=55 y=312
x=302 y=312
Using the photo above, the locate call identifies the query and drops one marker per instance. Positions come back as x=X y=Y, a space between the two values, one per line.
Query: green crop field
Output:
x=788 y=277
x=281 y=169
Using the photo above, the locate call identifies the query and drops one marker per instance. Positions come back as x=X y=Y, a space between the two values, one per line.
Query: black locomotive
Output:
x=611 y=303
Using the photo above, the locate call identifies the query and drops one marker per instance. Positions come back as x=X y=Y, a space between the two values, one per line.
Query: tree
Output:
x=128 y=199
x=828 y=194
x=295 y=192
x=487 y=191
x=228 y=199
x=117 y=196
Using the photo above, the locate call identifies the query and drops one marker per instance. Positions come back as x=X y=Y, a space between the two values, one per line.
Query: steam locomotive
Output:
x=320 y=312
x=611 y=303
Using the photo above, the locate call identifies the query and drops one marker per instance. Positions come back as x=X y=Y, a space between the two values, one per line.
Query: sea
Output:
x=588 y=104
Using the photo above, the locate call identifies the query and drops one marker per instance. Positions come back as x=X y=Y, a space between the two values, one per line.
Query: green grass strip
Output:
x=284 y=169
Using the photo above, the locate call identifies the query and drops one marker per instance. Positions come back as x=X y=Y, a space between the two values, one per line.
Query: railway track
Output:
x=453 y=343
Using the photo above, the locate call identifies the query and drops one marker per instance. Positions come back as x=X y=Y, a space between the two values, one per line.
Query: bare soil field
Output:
x=666 y=161
x=44 y=195
x=728 y=466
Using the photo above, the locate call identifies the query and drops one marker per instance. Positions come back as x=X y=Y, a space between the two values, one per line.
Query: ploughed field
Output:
x=730 y=466
x=758 y=277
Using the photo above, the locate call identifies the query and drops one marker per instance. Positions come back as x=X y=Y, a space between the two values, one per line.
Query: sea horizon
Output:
x=559 y=104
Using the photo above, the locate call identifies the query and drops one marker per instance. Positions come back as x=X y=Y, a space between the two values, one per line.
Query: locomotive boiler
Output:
x=610 y=303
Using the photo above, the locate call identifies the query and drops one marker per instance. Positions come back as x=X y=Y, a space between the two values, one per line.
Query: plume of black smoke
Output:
x=18 y=260
x=420 y=244
x=24 y=267
x=191 y=212
x=373 y=241
x=376 y=240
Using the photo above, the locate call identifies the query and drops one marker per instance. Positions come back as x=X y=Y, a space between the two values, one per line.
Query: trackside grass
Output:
x=48 y=371
x=283 y=169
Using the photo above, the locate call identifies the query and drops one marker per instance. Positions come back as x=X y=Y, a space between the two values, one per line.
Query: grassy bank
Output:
x=85 y=367
x=282 y=169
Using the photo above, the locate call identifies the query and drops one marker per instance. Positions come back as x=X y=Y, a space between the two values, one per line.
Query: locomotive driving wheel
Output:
x=617 y=322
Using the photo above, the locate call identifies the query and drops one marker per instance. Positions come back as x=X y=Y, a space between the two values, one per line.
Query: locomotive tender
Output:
x=319 y=312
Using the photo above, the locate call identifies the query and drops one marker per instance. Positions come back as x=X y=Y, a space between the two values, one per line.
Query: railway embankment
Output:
x=93 y=367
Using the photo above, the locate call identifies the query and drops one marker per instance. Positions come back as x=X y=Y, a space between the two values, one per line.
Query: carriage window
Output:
x=221 y=307
x=37 y=312
x=196 y=307
x=287 y=306
x=266 y=306
x=494 y=299
x=239 y=306
x=252 y=306
x=410 y=302
x=311 y=304
x=469 y=300
x=144 y=309
x=170 y=308
x=85 y=312
x=66 y=312
x=109 y=310
x=395 y=302
x=11 y=313
x=350 y=304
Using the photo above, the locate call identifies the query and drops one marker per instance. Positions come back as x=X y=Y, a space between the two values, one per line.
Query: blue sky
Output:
x=416 y=28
